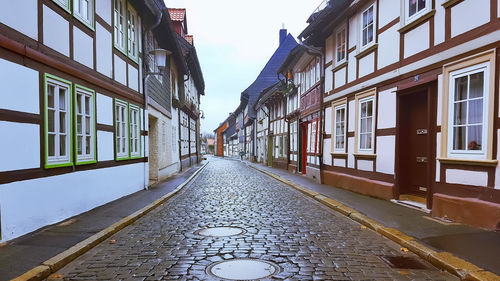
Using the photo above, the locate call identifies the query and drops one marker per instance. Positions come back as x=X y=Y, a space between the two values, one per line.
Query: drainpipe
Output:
x=146 y=79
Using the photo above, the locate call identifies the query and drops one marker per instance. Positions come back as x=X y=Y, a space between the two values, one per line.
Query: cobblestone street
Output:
x=306 y=239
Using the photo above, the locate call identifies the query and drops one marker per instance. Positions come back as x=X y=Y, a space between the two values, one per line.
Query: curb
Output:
x=60 y=260
x=442 y=260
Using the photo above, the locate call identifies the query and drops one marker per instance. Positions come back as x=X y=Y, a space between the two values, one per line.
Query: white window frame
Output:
x=82 y=93
x=469 y=154
x=343 y=28
x=132 y=21
x=374 y=25
x=122 y=130
x=418 y=14
x=120 y=42
x=58 y=160
x=135 y=130
x=78 y=5
x=336 y=108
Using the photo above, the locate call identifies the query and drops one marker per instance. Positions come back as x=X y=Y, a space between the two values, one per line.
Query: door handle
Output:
x=421 y=159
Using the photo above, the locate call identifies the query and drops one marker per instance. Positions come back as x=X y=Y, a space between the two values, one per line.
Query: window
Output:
x=365 y=122
x=57 y=122
x=132 y=34
x=135 y=131
x=84 y=11
x=339 y=129
x=340 y=46
x=119 y=22
x=415 y=8
x=85 y=144
x=122 y=131
x=368 y=27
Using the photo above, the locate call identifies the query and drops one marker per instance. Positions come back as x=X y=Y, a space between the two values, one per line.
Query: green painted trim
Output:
x=90 y=25
x=75 y=144
x=45 y=127
x=139 y=133
x=67 y=9
x=117 y=158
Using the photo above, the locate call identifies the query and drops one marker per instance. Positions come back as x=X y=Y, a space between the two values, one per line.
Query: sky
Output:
x=234 y=39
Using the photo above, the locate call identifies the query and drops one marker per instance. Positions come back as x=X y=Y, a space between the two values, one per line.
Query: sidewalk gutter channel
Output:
x=55 y=263
x=442 y=260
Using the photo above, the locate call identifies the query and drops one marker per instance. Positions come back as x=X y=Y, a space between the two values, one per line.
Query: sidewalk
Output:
x=478 y=246
x=29 y=251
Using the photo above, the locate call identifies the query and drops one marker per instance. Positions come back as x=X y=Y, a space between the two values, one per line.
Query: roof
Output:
x=268 y=76
x=177 y=14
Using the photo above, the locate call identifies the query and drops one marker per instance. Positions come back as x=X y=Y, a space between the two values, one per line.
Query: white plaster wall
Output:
x=386 y=147
x=120 y=70
x=386 y=109
x=366 y=64
x=328 y=79
x=327 y=149
x=351 y=67
x=83 y=46
x=416 y=40
x=350 y=150
x=104 y=106
x=105 y=146
x=389 y=10
x=365 y=165
x=50 y=200
x=438 y=154
x=439 y=22
x=339 y=162
x=133 y=78
x=340 y=77
x=352 y=116
x=388 y=47
x=480 y=9
x=477 y=178
x=55 y=31
x=329 y=48
x=439 y=99
x=328 y=120
x=19 y=146
x=19 y=87
x=353 y=31
x=103 y=9
x=12 y=11
x=104 y=50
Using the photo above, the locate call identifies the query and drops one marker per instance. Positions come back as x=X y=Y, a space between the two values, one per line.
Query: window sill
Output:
x=338 y=67
x=411 y=25
x=366 y=51
x=365 y=155
x=474 y=162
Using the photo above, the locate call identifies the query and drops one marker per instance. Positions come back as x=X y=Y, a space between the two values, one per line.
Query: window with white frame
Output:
x=57 y=122
x=339 y=132
x=85 y=125
x=468 y=111
x=120 y=24
x=368 y=27
x=340 y=46
x=84 y=11
x=365 y=124
x=122 y=130
x=135 y=131
x=415 y=9
x=132 y=34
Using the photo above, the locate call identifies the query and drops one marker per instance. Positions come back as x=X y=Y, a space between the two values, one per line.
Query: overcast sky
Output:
x=234 y=39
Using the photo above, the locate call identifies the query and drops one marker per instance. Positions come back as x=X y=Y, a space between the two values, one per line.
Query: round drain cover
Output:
x=220 y=231
x=243 y=269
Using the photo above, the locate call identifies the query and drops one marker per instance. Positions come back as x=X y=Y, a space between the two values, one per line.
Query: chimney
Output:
x=283 y=34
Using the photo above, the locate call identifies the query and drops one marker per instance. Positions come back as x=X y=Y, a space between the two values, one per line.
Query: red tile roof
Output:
x=177 y=14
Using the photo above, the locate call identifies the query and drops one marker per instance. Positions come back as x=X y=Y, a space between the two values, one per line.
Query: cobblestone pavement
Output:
x=306 y=239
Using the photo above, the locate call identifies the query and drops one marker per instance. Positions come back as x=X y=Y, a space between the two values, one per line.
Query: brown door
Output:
x=413 y=143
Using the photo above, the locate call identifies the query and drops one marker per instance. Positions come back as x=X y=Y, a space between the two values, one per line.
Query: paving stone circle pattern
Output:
x=307 y=240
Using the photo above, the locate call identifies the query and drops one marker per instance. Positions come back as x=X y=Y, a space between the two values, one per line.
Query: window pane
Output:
x=50 y=96
x=50 y=120
x=474 y=137
x=62 y=99
x=475 y=111
x=461 y=88
x=476 y=85
x=62 y=145
x=62 y=122
x=460 y=113
x=459 y=138
x=51 y=145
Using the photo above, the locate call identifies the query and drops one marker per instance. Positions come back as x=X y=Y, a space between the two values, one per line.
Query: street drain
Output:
x=402 y=262
x=220 y=231
x=243 y=269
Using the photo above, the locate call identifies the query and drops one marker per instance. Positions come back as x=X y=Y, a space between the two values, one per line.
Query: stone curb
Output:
x=442 y=260
x=57 y=262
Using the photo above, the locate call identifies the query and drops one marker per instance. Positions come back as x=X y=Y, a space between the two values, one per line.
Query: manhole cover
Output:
x=403 y=262
x=220 y=231
x=243 y=269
